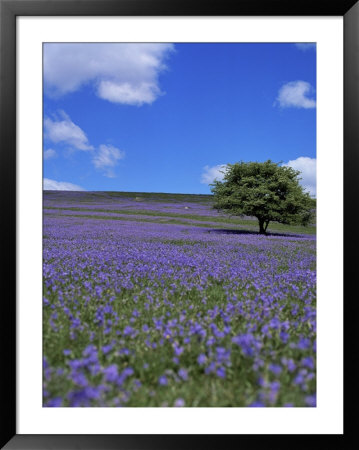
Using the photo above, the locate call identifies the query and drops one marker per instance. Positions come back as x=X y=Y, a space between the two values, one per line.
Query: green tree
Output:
x=267 y=191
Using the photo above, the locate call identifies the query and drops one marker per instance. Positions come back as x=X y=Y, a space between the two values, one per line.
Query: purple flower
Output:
x=308 y=362
x=211 y=368
x=79 y=379
x=76 y=364
x=275 y=323
x=303 y=343
x=179 y=402
x=257 y=404
x=248 y=343
x=291 y=365
x=162 y=381
x=128 y=371
x=92 y=392
x=111 y=373
x=284 y=336
x=201 y=359
x=54 y=402
x=124 y=374
x=275 y=386
x=79 y=398
x=262 y=382
x=311 y=400
x=275 y=368
x=106 y=348
x=299 y=379
x=128 y=331
x=183 y=373
x=124 y=351
x=178 y=350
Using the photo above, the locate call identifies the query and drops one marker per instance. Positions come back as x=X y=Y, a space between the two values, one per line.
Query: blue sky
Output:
x=168 y=117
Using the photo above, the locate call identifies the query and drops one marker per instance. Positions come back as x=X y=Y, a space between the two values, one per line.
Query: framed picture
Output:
x=171 y=216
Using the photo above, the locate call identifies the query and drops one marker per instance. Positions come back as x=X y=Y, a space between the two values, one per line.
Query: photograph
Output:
x=179 y=224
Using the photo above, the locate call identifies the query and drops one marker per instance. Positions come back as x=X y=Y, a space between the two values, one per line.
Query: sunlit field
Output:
x=159 y=300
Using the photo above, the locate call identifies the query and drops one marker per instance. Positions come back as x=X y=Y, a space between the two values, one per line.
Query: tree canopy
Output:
x=267 y=191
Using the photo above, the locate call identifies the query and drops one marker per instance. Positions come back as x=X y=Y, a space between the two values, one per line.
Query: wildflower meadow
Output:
x=154 y=300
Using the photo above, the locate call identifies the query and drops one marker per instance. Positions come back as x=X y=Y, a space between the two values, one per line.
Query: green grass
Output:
x=88 y=196
x=228 y=220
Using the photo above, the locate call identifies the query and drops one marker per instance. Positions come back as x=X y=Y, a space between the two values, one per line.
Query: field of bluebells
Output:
x=158 y=300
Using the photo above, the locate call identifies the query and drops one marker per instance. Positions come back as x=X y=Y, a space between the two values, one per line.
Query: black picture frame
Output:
x=9 y=10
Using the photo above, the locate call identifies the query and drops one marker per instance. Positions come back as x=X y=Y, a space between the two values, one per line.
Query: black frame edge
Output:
x=9 y=9
x=180 y=7
x=8 y=243
x=351 y=216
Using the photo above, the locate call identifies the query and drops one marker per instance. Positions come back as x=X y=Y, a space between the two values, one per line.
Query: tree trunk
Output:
x=261 y=226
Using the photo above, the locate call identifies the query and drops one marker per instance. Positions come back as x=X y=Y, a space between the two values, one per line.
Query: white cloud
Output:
x=308 y=168
x=212 y=173
x=50 y=153
x=305 y=46
x=295 y=94
x=65 y=131
x=106 y=157
x=120 y=73
x=52 y=185
x=128 y=94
